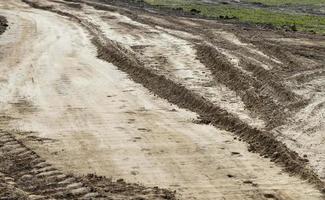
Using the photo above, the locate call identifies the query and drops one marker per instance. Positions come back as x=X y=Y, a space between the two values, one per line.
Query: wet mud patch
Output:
x=3 y=24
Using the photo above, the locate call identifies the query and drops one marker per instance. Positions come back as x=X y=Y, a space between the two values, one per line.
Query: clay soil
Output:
x=113 y=100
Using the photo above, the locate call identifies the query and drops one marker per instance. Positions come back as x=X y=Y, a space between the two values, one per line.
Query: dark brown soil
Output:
x=262 y=93
x=127 y=190
x=168 y=11
x=3 y=24
x=71 y=4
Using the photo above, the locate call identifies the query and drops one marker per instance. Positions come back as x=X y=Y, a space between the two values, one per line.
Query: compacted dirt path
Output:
x=68 y=113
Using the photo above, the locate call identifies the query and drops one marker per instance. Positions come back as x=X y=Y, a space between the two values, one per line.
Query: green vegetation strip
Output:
x=306 y=23
x=289 y=2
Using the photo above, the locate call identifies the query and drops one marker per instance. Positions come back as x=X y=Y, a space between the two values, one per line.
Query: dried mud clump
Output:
x=3 y=24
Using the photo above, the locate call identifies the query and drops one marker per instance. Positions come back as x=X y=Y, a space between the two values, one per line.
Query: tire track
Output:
x=262 y=92
x=33 y=176
x=261 y=142
x=25 y=175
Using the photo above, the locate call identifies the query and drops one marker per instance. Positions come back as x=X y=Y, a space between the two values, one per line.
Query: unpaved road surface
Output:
x=188 y=105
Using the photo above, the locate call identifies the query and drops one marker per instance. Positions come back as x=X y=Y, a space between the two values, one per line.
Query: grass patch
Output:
x=289 y=2
x=170 y=3
x=306 y=23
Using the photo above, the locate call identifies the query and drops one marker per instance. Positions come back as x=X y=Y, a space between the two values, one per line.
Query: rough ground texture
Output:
x=3 y=24
x=268 y=67
x=109 y=116
x=24 y=175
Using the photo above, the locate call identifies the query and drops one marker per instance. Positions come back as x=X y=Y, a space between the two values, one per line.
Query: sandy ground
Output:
x=168 y=54
x=172 y=53
x=94 y=119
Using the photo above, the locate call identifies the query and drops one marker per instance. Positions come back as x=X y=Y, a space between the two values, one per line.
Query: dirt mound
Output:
x=3 y=24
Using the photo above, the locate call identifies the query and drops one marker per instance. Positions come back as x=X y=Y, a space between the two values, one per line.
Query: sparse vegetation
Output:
x=289 y=2
x=307 y=23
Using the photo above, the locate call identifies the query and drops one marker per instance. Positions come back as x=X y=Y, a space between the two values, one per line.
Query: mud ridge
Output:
x=71 y=4
x=269 y=84
x=288 y=54
x=282 y=94
x=25 y=175
x=262 y=93
x=262 y=142
x=288 y=99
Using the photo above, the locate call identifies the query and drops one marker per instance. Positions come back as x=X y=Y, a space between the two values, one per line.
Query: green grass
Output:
x=169 y=2
x=257 y=16
x=290 y=2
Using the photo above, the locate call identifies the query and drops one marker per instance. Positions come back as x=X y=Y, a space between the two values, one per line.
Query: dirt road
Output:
x=83 y=115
